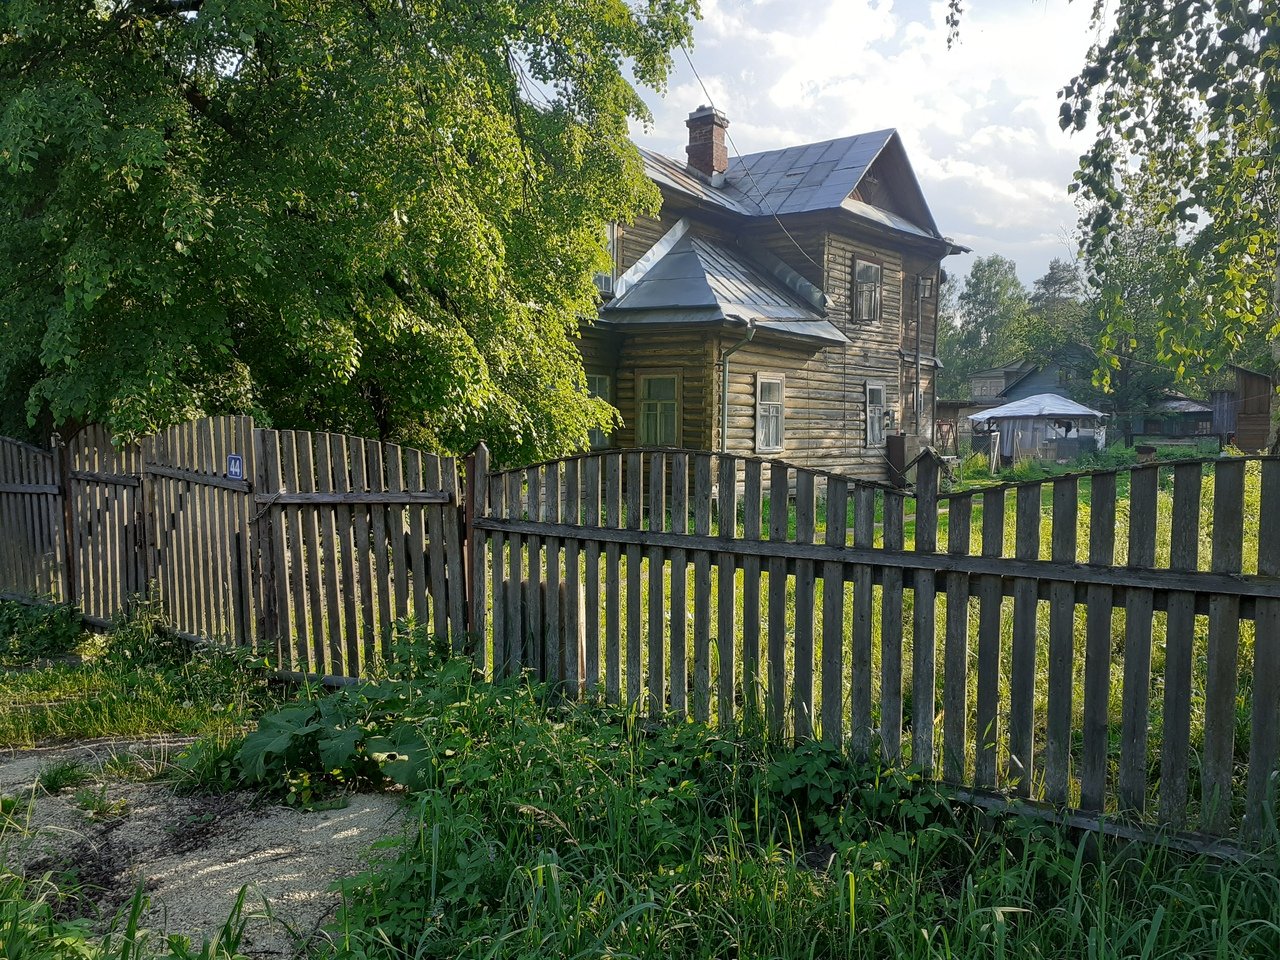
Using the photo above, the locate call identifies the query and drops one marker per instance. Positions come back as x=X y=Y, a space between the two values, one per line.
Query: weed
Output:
x=63 y=774
x=31 y=634
x=98 y=806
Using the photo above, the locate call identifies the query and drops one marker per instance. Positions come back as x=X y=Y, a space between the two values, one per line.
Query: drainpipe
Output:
x=725 y=353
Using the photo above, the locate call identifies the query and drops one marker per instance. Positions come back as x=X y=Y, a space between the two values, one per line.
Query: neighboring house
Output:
x=804 y=279
x=1245 y=412
x=1177 y=415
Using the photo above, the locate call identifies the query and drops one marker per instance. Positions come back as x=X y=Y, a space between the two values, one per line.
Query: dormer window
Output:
x=866 y=291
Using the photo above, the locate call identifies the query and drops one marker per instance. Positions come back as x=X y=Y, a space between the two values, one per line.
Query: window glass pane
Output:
x=868 y=272
x=875 y=395
x=771 y=391
x=659 y=388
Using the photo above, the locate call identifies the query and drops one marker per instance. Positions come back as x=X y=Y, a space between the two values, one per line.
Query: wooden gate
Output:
x=197 y=510
x=31 y=523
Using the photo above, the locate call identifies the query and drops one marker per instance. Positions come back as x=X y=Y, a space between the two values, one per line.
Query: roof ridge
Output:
x=888 y=131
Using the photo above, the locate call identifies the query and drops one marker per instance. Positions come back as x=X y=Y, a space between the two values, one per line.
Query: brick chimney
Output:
x=707 y=152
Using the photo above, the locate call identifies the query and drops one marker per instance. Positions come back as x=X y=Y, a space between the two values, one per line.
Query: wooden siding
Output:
x=690 y=353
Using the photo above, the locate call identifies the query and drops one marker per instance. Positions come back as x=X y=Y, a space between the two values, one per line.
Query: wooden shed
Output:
x=1245 y=411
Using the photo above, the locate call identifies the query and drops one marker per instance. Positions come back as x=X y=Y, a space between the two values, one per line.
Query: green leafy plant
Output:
x=63 y=775
x=30 y=634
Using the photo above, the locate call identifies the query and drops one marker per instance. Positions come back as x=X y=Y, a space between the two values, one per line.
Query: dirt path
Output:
x=192 y=854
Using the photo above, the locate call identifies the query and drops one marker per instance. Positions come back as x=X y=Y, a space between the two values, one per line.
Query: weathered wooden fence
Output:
x=996 y=639
x=309 y=546
x=1108 y=642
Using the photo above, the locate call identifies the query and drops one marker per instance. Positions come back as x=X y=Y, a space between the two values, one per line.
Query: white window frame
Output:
x=605 y=281
x=876 y=291
x=598 y=439
x=642 y=378
x=762 y=408
x=875 y=433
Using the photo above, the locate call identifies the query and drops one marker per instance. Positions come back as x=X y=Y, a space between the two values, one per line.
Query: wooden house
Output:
x=1243 y=415
x=783 y=304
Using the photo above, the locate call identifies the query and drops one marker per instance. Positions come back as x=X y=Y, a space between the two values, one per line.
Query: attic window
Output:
x=605 y=281
x=866 y=291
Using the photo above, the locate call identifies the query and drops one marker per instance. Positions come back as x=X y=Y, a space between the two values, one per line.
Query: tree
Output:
x=990 y=307
x=1186 y=94
x=359 y=215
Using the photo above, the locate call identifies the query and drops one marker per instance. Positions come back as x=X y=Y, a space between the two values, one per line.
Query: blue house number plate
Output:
x=235 y=466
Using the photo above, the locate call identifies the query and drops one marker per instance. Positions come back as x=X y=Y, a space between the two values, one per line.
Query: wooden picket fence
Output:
x=1054 y=642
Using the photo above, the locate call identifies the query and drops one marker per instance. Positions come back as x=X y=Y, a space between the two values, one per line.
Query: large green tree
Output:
x=363 y=215
x=1185 y=97
x=990 y=307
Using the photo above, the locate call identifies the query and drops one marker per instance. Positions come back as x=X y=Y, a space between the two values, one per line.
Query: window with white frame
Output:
x=875 y=414
x=770 y=412
x=659 y=408
x=599 y=385
x=604 y=281
x=866 y=291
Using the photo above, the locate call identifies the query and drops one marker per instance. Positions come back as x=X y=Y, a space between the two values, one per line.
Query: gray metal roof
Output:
x=801 y=179
x=701 y=280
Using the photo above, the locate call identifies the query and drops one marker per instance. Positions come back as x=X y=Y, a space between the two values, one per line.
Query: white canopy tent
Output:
x=1045 y=426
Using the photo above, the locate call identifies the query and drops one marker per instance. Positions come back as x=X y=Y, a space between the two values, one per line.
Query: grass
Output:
x=134 y=682
x=63 y=775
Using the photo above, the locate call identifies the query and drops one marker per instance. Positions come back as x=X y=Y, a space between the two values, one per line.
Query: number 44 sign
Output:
x=235 y=466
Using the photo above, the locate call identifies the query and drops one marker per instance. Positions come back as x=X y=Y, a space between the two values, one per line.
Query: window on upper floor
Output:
x=866 y=291
x=770 y=412
x=659 y=410
x=604 y=281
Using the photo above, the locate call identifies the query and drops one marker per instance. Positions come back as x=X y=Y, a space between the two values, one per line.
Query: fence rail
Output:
x=1105 y=642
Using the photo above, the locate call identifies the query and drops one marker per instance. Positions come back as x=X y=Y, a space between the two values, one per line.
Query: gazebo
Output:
x=1045 y=427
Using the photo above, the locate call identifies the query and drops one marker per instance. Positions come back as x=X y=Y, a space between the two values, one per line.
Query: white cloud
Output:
x=979 y=120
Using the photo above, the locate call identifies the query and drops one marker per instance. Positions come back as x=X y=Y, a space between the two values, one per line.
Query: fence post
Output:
x=62 y=464
x=924 y=642
x=475 y=501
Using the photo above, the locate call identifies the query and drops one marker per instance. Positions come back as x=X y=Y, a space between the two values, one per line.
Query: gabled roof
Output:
x=703 y=280
x=1040 y=405
x=809 y=178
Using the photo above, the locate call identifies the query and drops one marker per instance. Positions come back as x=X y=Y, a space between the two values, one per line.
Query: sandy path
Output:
x=193 y=854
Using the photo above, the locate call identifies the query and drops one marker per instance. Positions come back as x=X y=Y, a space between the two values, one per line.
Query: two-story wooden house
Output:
x=782 y=304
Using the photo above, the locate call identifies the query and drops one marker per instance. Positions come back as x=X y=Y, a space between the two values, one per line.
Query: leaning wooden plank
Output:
x=891 y=634
x=726 y=606
x=1179 y=647
x=1022 y=671
x=1138 y=605
x=924 y=650
x=612 y=583
x=1061 y=681
x=633 y=502
x=864 y=532
x=478 y=488
x=1097 y=653
x=777 y=634
x=679 y=586
x=454 y=550
x=802 y=679
x=1223 y=651
x=516 y=645
x=955 y=676
x=990 y=604
x=833 y=615
x=657 y=575
x=751 y=510
x=591 y=563
x=347 y=546
x=1264 y=727
x=571 y=615
x=702 y=590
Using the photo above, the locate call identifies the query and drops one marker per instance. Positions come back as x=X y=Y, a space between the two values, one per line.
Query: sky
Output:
x=979 y=121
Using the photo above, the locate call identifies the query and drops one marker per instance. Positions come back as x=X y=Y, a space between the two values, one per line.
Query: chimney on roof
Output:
x=707 y=152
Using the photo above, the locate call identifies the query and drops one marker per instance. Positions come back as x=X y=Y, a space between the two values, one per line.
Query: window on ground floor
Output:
x=770 y=412
x=659 y=409
x=600 y=385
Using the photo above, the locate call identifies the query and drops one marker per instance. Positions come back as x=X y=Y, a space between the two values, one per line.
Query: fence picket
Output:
x=955 y=679
x=924 y=617
x=571 y=605
x=517 y=646
x=779 y=490
x=751 y=519
x=591 y=498
x=1022 y=671
x=633 y=497
x=891 y=634
x=497 y=567
x=1138 y=607
x=726 y=605
x=657 y=576
x=612 y=620
x=679 y=586
x=990 y=606
x=864 y=532
x=833 y=614
x=1061 y=679
x=802 y=681
x=534 y=640
x=1264 y=725
x=702 y=589
x=478 y=484
x=1097 y=653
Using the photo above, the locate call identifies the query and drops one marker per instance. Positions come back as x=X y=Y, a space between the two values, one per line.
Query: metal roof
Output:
x=1040 y=405
x=802 y=179
x=701 y=280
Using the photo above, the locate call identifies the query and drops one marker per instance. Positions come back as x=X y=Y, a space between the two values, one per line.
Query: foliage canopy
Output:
x=358 y=215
